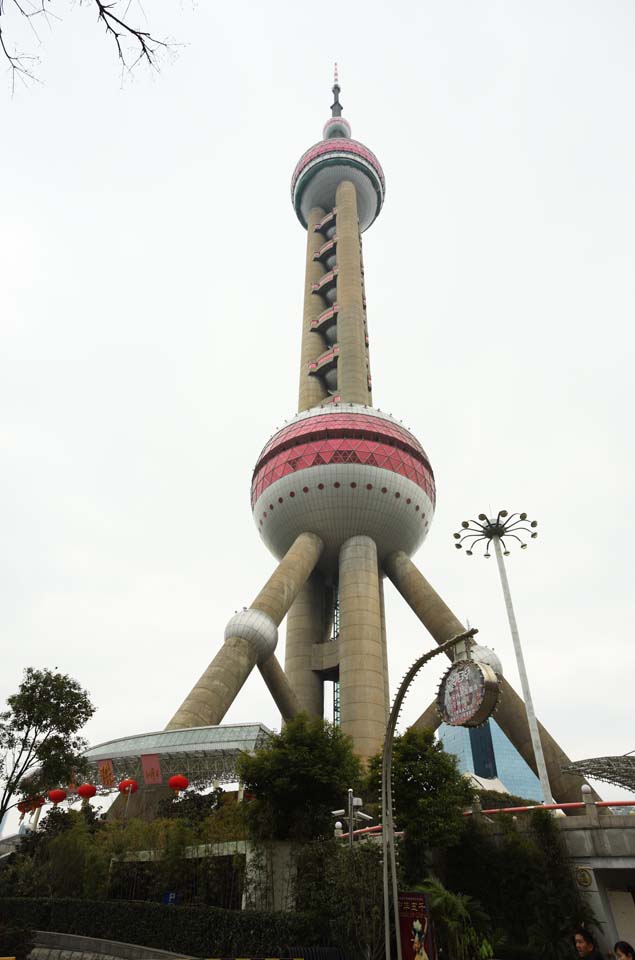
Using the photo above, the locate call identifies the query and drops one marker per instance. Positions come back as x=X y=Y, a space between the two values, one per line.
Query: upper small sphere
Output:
x=334 y=159
x=325 y=165
x=336 y=127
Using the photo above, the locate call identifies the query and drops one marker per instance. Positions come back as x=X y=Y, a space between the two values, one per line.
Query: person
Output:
x=624 y=951
x=585 y=945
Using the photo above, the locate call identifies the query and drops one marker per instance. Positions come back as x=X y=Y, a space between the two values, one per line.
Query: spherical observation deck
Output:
x=325 y=165
x=341 y=471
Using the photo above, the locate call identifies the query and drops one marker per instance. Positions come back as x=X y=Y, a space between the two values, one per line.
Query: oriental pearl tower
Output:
x=343 y=495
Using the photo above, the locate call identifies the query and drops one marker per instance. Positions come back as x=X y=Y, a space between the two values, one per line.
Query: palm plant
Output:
x=460 y=922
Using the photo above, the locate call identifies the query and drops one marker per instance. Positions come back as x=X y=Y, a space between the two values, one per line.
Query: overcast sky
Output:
x=152 y=277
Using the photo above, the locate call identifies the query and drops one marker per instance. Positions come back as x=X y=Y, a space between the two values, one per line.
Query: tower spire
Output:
x=336 y=106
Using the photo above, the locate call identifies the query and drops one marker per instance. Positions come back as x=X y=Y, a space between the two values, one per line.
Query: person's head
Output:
x=583 y=942
x=624 y=951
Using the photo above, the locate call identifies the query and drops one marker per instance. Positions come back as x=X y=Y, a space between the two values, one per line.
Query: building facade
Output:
x=486 y=751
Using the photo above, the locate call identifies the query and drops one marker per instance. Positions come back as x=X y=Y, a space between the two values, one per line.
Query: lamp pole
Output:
x=389 y=859
x=487 y=532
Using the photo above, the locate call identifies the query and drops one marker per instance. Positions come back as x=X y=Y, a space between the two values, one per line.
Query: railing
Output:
x=579 y=805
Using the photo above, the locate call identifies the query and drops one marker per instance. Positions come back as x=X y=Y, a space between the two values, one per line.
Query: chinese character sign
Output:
x=151 y=769
x=415 y=929
x=463 y=692
x=106 y=773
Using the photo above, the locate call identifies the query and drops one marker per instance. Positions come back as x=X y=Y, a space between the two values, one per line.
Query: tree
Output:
x=132 y=43
x=429 y=796
x=297 y=779
x=40 y=746
x=343 y=887
x=461 y=925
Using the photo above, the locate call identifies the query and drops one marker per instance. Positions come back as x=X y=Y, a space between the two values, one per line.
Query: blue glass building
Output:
x=487 y=752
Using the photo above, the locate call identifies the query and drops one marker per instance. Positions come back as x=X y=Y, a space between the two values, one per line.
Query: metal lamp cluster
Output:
x=486 y=530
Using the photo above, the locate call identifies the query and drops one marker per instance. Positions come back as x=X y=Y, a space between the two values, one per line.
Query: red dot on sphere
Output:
x=271 y=506
x=384 y=489
x=56 y=796
x=320 y=486
x=86 y=791
x=408 y=500
x=292 y=494
x=417 y=507
x=178 y=782
x=353 y=485
x=128 y=786
x=279 y=499
x=336 y=484
x=305 y=489
x=397 y=495
x=369 y=486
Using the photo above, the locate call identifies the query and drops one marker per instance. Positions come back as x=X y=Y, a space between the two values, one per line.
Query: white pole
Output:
x=524 y=681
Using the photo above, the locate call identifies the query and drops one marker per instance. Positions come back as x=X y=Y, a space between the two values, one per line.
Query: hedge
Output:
x=201 y=931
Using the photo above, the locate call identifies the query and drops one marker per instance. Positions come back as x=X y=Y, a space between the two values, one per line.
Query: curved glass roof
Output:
x=204 y=755
x=244 y=737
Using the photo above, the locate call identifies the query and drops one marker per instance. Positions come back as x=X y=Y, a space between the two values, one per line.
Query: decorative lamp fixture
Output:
x=56 y=796
x=178 y=782
x=494 y=532
x=516 y=527
x=128 y=786
x=87 y=791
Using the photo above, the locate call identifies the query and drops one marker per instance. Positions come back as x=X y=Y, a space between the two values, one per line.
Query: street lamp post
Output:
x=487 y=532
x=389 y=857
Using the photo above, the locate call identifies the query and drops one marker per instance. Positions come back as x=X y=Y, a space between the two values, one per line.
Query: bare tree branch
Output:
x=133 y=43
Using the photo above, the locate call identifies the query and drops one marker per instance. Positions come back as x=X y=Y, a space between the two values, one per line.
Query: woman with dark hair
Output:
x=585 y=945
x=624 y=951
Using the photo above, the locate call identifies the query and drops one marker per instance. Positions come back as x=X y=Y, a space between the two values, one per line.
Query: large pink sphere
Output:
x=342 y=471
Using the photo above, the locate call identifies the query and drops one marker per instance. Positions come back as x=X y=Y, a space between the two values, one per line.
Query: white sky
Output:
x=152 y=274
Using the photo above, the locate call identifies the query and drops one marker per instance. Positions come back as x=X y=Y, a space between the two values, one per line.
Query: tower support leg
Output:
x=362 y=686
x=306 y=625
x=511 y=715
x=384 y=644
x=251 y=638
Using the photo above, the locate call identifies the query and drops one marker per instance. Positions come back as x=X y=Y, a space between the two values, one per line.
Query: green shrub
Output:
x=201 y=931
x=15 y=941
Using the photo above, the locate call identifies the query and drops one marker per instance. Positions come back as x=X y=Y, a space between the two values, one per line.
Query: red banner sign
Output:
x=106 y=773
x=415 y=929
x=151 y=769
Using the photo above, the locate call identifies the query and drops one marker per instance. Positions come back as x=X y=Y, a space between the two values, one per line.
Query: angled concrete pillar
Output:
x=362 y=683
x=253 y=641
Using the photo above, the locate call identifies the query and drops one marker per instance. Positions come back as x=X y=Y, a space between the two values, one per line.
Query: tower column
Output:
x=306 y=624
x=362 y=686
x=352 y=369
x=312 y=389
x=384 y=643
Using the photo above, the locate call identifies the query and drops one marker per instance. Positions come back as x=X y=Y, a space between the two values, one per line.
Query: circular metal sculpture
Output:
x=468 y=694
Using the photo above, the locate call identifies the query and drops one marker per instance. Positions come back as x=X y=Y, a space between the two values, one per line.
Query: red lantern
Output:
x=56 y=796
x=178 y=782
x=86 y=791
x=128 y=786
